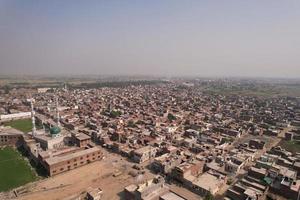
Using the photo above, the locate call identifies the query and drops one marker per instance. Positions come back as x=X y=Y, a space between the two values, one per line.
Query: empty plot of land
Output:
x=110 y=174
x=75 y=182
x=292 y=146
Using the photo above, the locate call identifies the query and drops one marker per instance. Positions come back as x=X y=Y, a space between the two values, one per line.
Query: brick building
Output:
x=67 y=161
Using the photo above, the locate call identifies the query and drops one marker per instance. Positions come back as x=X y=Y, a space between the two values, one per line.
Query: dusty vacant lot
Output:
x=73 y=184
x=98 y=174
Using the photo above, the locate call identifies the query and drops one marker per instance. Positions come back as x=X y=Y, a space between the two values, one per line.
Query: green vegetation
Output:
x=228 y=140
x=171 y=117
x=229 y=181
x=14 y=170
x=115 y=113
x=23 y=125
x=139 y=122
x=292 y=146
x=209 y=196
x=259 y=89
x=131 y=124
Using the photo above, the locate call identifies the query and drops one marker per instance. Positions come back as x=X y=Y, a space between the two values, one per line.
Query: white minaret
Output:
x=44 y=128
x=65 y=87
x=57 y=113
x=33 y=118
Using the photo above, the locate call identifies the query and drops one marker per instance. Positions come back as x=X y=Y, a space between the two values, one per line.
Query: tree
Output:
x=209 y=196
x=171 y=117
x=114 y=114
x=131 y=124
x=6 y=89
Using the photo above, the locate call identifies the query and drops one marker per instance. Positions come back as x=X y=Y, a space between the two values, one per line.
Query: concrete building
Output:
x=191 y=168
x=148 y=190
x=210 y=181
x=234 y=164
x=165 y=163
x=251 y=187
x=48 y=142
x=94 y=193
x=81 y=139
x=10 y=137
x=144 y=154
x=256 y=144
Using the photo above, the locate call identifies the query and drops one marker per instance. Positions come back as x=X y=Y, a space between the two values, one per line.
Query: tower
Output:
x=57 y=113
x=33 y=118
x=65 y=87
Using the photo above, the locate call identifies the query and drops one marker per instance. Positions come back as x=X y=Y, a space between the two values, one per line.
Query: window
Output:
x=61 y=169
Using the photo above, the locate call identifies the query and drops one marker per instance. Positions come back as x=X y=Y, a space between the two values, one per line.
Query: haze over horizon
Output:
x=166 y=38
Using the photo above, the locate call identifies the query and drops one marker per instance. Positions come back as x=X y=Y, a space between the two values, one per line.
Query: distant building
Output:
x=20 y=115
x=42 y=90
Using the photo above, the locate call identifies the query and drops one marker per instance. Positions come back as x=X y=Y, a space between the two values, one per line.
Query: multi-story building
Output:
x=58 y=163
x=10 y=137
x=143 y=154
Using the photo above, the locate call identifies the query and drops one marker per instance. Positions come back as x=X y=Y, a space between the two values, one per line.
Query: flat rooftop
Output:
x=9 y=131
x=144 y=149
x=82 y=136
x=66 y=157
x=171 y=196
x=207 y=181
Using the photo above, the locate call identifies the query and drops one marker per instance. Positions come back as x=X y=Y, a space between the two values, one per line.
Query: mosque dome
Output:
x=55 y=130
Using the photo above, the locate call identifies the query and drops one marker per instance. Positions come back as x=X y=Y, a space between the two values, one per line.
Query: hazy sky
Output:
x=151 y=37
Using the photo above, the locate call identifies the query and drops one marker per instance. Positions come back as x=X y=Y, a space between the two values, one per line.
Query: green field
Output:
x=14 y=170
x=292 y=146
x=23 y=125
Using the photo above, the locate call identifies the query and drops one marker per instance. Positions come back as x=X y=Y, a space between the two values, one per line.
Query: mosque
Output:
x=51 y=138
x=57 y=149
